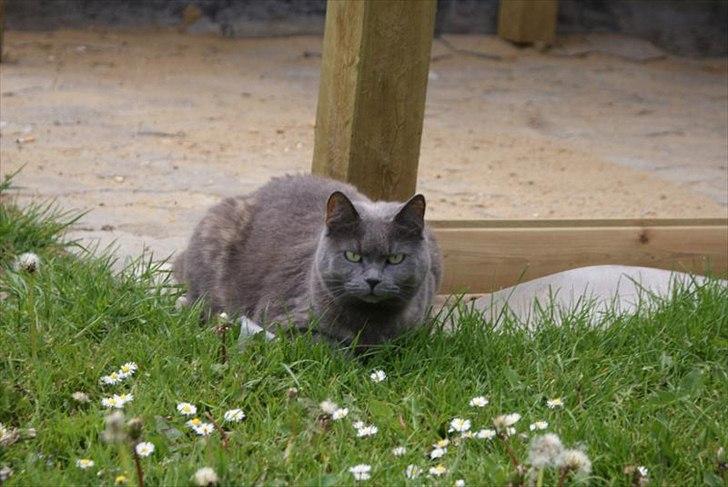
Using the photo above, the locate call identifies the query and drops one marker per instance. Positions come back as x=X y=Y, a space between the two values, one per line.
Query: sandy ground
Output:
x=148 y=129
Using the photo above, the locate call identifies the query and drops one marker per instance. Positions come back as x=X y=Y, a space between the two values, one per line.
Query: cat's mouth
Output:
x=372 y=298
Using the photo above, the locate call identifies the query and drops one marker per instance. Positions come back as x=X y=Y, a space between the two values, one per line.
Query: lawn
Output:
x=647 y=390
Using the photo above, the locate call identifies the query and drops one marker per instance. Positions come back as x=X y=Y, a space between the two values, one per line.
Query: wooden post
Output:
x=527 y=21
x=2 y=27
x=371 y=102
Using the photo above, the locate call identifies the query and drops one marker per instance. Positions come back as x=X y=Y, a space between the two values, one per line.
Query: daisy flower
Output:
x=504 y=421
x=554 y=403
x=575 y=461
x=144 y=449
x=339 y=413
x=128 y=369
x=438 y=470
x=412 y=471
x=111 y=379
x=84 y=463
x=399 y=451
x=194 y=423
x=112 y=402
x=367 y=430
x=186 y=409
x=121 y=480
x=204 y=429
x=441 y=443
x=361 y=471
x=358 y=424
x=205 y=477
x=437 y=453
x=538 y=425
x=459 y=483
x=485 y=434
x=478 y=402
x=378 y=375
x=460 y=425
x=328 y=406
x=234 y=415
x=124 y=398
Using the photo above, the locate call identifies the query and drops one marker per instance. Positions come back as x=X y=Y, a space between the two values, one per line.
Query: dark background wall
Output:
x=688 y=27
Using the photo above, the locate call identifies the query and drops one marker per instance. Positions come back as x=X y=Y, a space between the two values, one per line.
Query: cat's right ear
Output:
x=341 y=216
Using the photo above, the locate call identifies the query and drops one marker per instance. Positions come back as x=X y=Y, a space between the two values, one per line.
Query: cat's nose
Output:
x=373 y=282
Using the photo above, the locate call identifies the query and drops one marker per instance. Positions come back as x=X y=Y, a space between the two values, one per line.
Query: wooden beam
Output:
x=484 y=256
x=527 y=21
x=2 y=27
x=371 y=100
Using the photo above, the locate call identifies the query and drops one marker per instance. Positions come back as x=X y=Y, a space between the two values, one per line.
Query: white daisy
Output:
x=574 y=460
x=459 y=483
x=234 y=415
x=478 y=402
x=510 y=431
x=460 y=425
x=122 y=399
x=128 y=369
x=485 y=434
x=361 y=471
x=194 y=423
x=84 y=463
x=144 y=449
x=438 y=470
x=112 y=402
x=412 y=471
x=204 y=429
x=437 y=453
x=328 y=406
x=399 y=451
x=441 y=443
x=367 y=430
x=186 y=409
x=378 y=375
x=538 y=425
x=504 y=421
x=358 y=424
x=205 y=477
x=339 y=413
x=554 y=403
x=111 y=379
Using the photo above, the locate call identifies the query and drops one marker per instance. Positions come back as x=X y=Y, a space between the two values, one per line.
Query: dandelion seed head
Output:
x=575 y=461
x=144 y=449
x=328 y=406
x=544 y=449
x=114 y=428
x=339 y=413
x=84 y=463
x=478 y=402
x=234 y=415
x=538 y=425
x=205 y=477
x=412 y=471
x=28 y=262
x=361 y=471
x=378 y=375
x=187 y=409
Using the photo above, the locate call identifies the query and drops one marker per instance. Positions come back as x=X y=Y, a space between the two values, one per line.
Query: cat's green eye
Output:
x=352 y=256
x=395 y=258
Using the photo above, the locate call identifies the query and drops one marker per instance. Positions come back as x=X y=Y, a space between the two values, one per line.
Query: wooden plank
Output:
x=371 y=100
x=527 y=21
x=483 y=257
x=2 y=27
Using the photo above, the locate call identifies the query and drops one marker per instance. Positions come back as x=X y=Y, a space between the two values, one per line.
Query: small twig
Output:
x=222 y=330
x=509 y=450
x=562 y=477
x=138 y=464
x=223 y=434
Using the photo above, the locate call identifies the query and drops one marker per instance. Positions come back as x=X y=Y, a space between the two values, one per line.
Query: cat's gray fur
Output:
x=277 y=256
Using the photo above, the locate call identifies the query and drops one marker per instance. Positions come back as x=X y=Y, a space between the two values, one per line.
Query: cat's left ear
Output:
x=411 y=218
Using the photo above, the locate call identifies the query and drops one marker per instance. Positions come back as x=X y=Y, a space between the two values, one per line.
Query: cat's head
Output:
x=373 y=252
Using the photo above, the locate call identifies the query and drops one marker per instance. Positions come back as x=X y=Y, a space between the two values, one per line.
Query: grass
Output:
x=645 y=390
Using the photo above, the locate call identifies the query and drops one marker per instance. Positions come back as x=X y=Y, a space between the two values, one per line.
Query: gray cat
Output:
x=304 y=251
